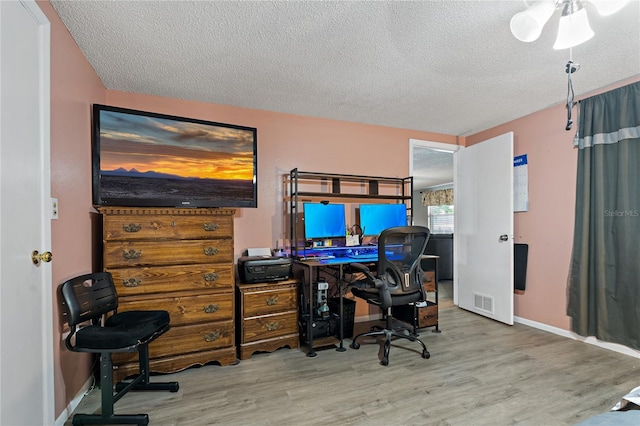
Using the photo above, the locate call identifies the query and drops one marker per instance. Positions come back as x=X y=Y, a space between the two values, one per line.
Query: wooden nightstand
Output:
x=267 y=317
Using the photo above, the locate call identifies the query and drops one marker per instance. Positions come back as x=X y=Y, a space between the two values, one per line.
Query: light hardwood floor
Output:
x=480 y=373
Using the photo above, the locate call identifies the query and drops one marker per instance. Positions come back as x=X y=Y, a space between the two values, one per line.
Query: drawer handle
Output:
x=132 y=254
x=273 y=300
x=131 y=282
x=210 y=226
x=132 y=227
x=212 y=337
x=211 y=309
x=210 y=277
x=272 y=326
x=210 y=251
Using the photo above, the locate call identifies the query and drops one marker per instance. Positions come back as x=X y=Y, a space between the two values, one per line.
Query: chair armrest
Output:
x=359 y=267
x=383 y=291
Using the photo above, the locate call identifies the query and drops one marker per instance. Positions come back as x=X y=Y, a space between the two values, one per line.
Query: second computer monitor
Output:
x=374 y=218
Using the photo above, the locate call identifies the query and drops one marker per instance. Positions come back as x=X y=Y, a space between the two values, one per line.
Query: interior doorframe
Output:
x=418 y=143
x=441 y=146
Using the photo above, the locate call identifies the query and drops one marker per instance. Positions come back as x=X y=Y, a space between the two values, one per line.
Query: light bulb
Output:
x=527 y=25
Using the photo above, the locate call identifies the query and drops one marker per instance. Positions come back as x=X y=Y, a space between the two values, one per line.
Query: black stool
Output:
x=87 y=298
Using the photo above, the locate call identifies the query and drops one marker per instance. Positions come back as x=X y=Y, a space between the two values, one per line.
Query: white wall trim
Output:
x=73 y=404
x=571 y=335
x=434 y=145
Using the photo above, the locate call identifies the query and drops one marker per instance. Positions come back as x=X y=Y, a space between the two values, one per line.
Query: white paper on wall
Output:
x=520 y=183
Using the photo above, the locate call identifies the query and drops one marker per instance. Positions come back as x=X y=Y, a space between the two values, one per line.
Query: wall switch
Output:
x=54 y=208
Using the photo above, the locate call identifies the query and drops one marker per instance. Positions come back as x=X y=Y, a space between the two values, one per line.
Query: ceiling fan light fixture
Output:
x=609 y=7
x=574 y=27
x=527 y=25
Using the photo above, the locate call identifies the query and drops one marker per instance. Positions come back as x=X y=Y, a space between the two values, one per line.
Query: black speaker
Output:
x=520 y=254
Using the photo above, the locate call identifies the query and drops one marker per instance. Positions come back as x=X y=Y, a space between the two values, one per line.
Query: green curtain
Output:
x=604 y=276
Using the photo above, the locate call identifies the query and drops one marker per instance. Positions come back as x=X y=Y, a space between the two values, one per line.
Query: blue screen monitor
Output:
x=374 y=218
x=324 y=220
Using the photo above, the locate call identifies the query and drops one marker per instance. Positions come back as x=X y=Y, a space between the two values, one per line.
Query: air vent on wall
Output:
x=483 y=303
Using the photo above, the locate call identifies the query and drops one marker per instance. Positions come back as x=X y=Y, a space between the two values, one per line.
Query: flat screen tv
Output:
x=374 y=218
x=324 y=220
x=144 y=159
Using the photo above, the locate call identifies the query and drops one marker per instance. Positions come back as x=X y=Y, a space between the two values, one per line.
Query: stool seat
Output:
x=123 y=331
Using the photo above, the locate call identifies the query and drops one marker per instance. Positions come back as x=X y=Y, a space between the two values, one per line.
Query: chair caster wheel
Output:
x=385 y=361
x=355 y=345
x=426 y=354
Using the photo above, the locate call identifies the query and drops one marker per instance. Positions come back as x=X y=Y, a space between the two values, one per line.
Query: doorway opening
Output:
x=431 y=165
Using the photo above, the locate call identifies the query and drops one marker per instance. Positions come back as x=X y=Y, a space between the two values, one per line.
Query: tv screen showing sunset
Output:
x=151 y=157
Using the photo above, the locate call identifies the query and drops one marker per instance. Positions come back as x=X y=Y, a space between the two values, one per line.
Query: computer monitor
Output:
x=374 y=218
x=324 y=220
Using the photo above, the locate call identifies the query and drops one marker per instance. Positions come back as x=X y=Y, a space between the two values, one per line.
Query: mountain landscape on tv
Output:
x=121 y=184
x=150 y=174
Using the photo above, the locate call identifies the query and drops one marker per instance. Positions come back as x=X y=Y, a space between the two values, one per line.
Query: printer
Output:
x=264 y=268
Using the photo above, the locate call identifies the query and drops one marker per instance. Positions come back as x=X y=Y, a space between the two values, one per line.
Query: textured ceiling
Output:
x=431 y=167
x=449 y=66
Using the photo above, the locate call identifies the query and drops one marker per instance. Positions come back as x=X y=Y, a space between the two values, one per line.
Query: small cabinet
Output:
x=425 y=314
x=267 y=317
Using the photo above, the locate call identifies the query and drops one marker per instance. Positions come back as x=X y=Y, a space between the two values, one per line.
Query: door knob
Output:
x=37 y=257
x=504 y=237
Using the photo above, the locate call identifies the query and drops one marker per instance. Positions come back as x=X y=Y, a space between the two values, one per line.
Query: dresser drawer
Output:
x=270 y=301
x=140 y=227
x=430 y=283
x=139 y=253
x=185 y=309
x=186 y=339
x=424 y=316
x=164 y=279
x=266 y=327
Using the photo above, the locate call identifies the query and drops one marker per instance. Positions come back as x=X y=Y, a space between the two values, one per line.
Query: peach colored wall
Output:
x=287 y=141
x=548 y=225
x=74 y=87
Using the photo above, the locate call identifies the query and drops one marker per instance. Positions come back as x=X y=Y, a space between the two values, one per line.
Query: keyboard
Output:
x=364 y=257
x=324 y=257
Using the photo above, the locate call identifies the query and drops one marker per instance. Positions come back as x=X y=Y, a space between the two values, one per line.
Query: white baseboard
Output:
x=64 y=416
x=571 y=335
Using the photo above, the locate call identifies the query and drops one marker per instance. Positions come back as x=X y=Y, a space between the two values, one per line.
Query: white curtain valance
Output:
x=441 y=197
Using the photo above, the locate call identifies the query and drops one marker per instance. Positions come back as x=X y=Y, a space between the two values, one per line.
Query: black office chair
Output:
x=87 y=300
x=399 y=281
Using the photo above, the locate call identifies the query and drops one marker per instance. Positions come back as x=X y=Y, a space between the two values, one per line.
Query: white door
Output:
x=26 y=320
x=483 y=237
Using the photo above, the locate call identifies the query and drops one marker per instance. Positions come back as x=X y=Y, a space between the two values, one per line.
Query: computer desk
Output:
x=312 y=265
x=339 y=263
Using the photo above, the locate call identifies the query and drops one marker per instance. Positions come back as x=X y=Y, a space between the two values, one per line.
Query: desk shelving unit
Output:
x=316 y=187
x=304 y=186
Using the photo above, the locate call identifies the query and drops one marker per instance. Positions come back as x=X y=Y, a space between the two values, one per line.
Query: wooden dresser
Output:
x=267 y=316
x=181 y=261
